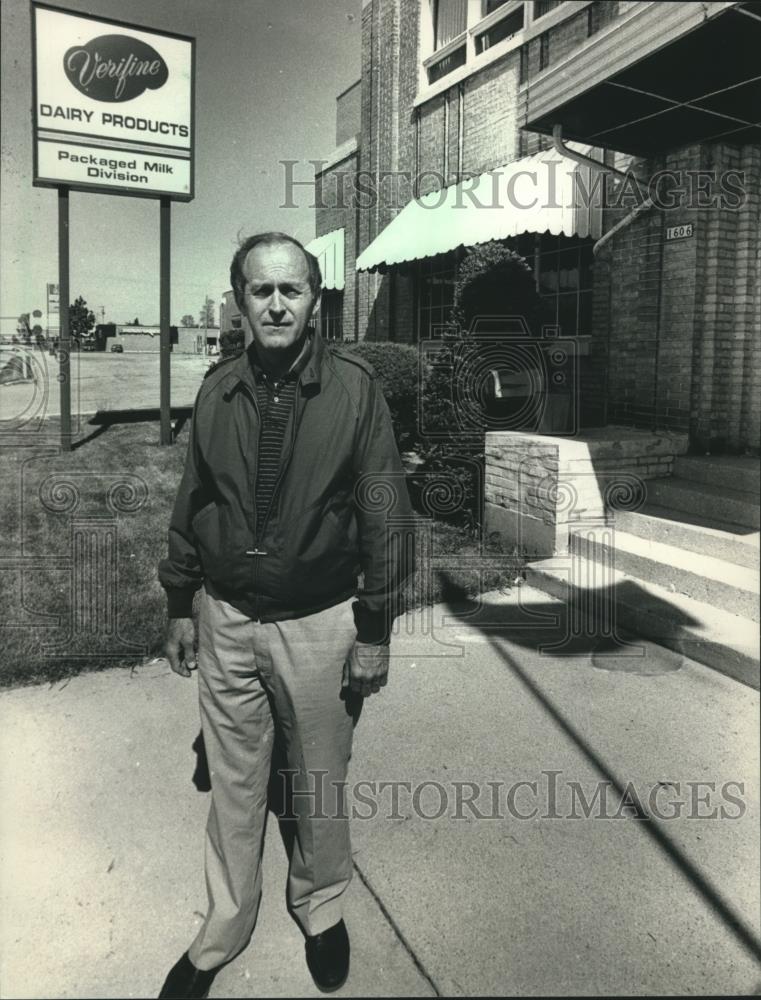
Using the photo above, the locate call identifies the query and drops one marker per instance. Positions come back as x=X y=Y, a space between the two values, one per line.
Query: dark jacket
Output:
x=340 y=506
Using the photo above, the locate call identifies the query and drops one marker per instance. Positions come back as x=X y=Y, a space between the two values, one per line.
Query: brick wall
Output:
x=676 y=339
x=726 y=395
x=379 y=150
x=348 y=108
x=431 y=144
x=490 y=121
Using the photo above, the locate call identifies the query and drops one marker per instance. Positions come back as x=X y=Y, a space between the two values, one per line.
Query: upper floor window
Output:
x=542 y=7
x=447 y=64
x=450 y=19
x=506 y=28
x=598 y=15
x=523 y=71
x=544 y=49
x=460 y=36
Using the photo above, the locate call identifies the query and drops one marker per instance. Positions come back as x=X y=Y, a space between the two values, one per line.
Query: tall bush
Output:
x=494 y=284
x=494 y=294
x=396 y=366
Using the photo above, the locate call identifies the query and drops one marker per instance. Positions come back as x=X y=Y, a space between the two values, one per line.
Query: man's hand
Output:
x=366 y=670
x=179 y=645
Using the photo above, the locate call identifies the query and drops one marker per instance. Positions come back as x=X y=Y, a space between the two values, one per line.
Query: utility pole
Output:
x=165 y=231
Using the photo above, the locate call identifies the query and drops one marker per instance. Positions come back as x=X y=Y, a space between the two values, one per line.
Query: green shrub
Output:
x=396 y=365
x=494 y=282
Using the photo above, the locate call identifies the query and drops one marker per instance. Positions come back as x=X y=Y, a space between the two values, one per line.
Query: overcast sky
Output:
x=267 y=75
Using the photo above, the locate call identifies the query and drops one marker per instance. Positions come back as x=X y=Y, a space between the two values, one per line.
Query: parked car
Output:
x=117 y=349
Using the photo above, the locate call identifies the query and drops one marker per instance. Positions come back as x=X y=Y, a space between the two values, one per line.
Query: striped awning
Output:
x=546 y=192
x=329 y=251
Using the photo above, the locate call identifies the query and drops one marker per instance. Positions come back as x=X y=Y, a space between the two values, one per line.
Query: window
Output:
x=523 y=71
x=563 y=269
x=505 y=28
x=331 y=315
x=446 y=65
x=597 y=16
x=450 y=19
x=542 y=7
x=496 y=27
x=436 y=280
x=544 y=50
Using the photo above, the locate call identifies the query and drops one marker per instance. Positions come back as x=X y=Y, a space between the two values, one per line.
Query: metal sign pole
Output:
x=166 y=346
x=64 y=339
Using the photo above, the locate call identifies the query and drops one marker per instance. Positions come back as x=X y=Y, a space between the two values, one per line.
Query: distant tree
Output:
x=187 y=320
x=81 y=320
x=206 y=318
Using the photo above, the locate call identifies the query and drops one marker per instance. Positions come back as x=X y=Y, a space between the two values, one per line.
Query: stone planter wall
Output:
x=538 y=487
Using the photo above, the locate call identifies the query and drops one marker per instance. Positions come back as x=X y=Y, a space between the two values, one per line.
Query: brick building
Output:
x=658 y=301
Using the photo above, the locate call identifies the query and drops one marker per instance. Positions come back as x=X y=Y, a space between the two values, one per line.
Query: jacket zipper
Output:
x=255 y=552
x=297 y=415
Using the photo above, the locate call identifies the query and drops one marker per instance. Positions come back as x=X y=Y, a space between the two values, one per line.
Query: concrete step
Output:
x=726 y=642
x=693 y=533
x=741 y=473
x=719 y=502
x=704 y=578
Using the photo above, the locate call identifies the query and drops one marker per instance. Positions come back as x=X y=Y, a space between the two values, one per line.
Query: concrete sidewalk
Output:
x=102 y=826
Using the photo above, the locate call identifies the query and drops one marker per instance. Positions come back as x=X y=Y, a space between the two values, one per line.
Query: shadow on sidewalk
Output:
x=544 y=628
x=584 y=625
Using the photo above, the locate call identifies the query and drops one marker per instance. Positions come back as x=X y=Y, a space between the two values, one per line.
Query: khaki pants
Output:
x=254 y=680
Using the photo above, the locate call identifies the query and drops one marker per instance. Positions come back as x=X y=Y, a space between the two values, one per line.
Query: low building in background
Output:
x=230 y=318
x=135 y=338
x=190 y=340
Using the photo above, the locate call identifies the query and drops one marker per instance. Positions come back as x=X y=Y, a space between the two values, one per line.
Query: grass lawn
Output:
x=92 y=523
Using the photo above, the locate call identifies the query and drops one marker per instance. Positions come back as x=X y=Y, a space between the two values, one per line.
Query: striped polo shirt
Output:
x=275 y=397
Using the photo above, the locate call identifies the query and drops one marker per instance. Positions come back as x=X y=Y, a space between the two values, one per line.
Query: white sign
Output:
x=113 y=106
x=682 y=232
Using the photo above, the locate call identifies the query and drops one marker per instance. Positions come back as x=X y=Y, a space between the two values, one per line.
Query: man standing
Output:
x=291 y=486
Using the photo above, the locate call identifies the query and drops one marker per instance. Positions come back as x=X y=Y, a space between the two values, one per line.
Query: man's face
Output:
x=278 y=301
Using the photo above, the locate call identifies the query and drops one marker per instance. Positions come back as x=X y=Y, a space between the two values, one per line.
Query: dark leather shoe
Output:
x=328 y=957
x=186 y=982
